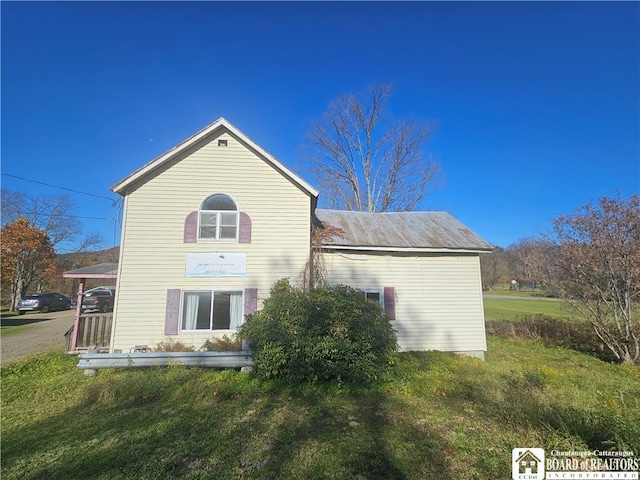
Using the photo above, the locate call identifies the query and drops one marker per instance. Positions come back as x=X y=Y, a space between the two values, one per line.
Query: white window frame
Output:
x=218 y=214
x=183 y=294
x=379 y=291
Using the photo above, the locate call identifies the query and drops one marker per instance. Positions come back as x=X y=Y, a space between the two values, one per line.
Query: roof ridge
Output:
x=221 y=122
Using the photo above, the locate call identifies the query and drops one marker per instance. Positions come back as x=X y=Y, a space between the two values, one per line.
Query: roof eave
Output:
x=369 y=248
x=121 y=187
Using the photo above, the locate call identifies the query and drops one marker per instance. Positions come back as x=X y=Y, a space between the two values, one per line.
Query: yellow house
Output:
x=211 y=224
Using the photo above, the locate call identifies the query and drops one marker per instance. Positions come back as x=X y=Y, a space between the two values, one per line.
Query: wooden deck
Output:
x=94 y=331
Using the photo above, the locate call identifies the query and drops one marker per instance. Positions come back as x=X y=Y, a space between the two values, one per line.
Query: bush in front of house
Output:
x=322 y=334
x=173 y=346
x=222 y=344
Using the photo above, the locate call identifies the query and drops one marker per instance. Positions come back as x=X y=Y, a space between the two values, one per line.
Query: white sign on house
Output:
x=216 y=264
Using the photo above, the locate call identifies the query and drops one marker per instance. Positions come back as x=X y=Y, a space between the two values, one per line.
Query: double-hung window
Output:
x=218 y=218
x=212 y=310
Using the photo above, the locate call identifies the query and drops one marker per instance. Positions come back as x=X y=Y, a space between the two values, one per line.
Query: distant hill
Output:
x=71 y=261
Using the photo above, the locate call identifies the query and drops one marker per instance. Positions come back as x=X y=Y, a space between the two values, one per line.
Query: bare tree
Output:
x=363 y=162
x=55 y=215
x=494 y=267
x=531 y=258
x=597 y=269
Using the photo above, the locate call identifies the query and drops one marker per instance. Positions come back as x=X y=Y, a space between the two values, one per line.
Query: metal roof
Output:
x=399 y=231
x=101 y=270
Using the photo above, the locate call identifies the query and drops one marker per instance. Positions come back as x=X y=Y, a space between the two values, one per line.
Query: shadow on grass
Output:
x=195 y=426
x=21 y=321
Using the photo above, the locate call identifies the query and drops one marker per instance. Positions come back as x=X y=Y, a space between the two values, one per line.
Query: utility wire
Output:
x=68 y=216
x=114 y=201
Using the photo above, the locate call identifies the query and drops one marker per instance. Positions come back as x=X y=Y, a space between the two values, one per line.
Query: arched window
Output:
x=218 y=218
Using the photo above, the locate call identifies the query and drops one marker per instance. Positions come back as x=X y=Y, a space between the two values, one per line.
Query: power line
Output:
x=114 y=201
x=22 y=212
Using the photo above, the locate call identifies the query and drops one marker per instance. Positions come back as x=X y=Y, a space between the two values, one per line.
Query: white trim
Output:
x=217 y=237
x=213 y=294
x=122 y=185
x=378 y=290
x=123 y=227
x=219 y=220
x=403 y=249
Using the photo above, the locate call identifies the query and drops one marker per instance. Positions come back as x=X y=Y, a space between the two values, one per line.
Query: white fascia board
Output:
x=121 y=186
x=403 y=249
x=158 y=161
x=272 y=160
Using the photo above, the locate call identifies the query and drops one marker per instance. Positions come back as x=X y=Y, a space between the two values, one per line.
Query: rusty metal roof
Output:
x=399 y=231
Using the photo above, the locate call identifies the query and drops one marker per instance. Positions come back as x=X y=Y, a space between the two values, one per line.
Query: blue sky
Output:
x=537 y=104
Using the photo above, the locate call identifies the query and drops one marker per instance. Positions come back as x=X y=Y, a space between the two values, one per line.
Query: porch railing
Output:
x=93 y=331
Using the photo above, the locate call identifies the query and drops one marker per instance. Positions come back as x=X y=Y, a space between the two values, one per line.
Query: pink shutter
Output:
x=250 y=300
x=390 y=302
x=172 y=313
x=244 y=233
x=191 y=228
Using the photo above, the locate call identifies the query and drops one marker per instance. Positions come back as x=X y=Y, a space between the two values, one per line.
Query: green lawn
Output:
x=10 y=322
x=446 y=417
x=504 y=290
x=510 y=308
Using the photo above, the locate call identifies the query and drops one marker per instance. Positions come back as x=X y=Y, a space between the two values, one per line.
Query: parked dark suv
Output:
x=43 y=302
x=99 y=298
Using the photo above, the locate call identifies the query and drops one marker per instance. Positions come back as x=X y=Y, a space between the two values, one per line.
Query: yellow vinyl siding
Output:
x=438 y=297
x=153 y=253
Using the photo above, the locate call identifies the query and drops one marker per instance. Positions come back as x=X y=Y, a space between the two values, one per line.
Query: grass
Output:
x=10 y=322
x=510 y=308
x=504 y=290
x=445 y=417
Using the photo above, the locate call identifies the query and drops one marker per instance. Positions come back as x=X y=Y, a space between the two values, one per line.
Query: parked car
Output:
x=99 y=298
x=43 y=302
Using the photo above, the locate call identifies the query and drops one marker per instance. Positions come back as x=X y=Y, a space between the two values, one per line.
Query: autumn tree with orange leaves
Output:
x=27 y=257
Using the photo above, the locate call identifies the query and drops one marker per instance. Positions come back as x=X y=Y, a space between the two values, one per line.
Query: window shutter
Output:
x=244 y=233
x=250 y=300
x=172 y=314
x=191 y=228
x=390 y=302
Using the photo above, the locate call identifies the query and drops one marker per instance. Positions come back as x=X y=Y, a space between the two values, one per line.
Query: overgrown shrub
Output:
x=327 y=333
x=173 y=346
x=222 y=344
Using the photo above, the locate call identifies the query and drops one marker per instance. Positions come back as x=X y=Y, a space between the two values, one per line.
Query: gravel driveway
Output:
x=41 y=332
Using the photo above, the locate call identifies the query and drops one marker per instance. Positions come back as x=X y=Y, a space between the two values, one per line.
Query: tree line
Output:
x=589 y=258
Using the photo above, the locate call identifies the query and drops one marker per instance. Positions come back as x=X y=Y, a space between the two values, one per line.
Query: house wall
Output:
x=153 y=251
x=438 y=297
